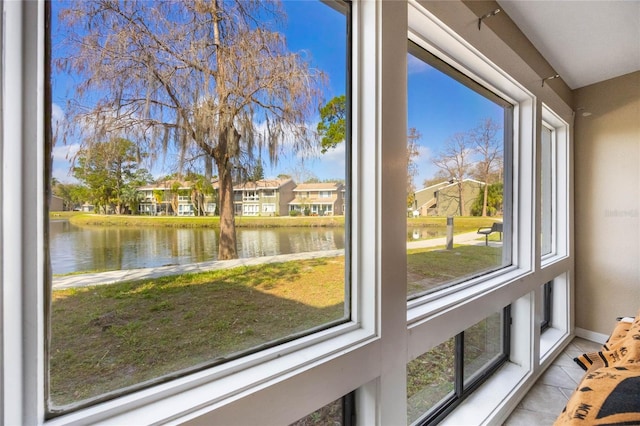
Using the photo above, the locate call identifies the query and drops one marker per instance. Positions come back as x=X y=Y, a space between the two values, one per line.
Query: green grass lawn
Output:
x=461 y=224
x=107 y=337
x=428 y=269
x=104 y=338
x=206 y=221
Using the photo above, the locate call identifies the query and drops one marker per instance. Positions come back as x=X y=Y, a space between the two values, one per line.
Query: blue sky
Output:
x=438 y=105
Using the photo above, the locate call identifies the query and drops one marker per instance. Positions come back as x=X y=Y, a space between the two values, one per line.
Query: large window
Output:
x=440 y=379
x=188 y=97
x=554 y=187
x=459 y=167
x=547 y=149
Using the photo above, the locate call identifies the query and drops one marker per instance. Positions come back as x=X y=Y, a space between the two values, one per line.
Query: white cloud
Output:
x=289 y=140
x=424 y=153
x=61 y=162
x=415 y=65
x=63 y=174
x=330 y=165
x=426 y=169
x=57 y=115
x=64 y=153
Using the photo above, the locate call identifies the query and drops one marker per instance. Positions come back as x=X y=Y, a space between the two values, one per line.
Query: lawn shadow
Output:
x=104 y=338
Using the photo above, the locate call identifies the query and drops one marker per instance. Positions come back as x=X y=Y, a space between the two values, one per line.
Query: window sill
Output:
x=431 y=304
x=551 y=259
x=552 y=340
x=430 y=322
x=491 y=400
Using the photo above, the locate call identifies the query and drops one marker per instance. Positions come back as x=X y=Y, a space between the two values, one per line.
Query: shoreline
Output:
x=111 y=277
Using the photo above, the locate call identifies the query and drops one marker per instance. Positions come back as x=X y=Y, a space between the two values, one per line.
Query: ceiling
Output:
x=584 y=41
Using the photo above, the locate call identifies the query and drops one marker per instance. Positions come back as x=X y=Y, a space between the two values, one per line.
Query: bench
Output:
x=486 y=231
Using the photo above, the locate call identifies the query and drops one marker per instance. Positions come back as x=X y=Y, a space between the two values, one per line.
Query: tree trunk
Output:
x=227 y=143
x=484 y=202
x=227 y=245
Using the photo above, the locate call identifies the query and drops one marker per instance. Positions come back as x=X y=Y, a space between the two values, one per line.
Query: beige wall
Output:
x=607 y=202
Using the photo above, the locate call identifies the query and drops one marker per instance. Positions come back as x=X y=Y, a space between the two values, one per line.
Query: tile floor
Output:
x=549 y=395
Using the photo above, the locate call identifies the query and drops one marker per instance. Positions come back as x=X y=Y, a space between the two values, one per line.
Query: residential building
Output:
x=318 y=199
x=172 y=197
x=87 y=207
x=56 y=204
x=265 y=197
x=558 y=64
x=443 y=199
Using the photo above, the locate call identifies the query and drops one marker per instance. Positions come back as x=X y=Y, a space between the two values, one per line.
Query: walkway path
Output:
x=468 y=238
x=111 y=277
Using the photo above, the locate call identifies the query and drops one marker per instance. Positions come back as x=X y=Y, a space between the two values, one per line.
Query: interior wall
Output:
x=607 y=202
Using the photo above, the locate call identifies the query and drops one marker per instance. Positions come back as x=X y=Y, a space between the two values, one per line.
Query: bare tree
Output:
x=438 y=177
x=489 y=148
x=412 y=168
x=455 y=160
x=207 y=74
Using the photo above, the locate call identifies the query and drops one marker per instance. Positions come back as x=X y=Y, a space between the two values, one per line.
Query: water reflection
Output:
x=426 y=233
x=76 y=249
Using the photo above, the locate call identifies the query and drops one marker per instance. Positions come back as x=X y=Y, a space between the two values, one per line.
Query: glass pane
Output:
x=483 y=345
x=546 y=184
x=329 y=415
x=430 y=380
x=200 y=186
x=546 y=302
x=458 y=201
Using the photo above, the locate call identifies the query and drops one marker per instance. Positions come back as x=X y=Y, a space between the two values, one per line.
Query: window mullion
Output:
x=459 y=365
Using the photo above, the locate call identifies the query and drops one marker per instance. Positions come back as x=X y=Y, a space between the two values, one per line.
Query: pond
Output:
x=83 y=248
x=100 y=248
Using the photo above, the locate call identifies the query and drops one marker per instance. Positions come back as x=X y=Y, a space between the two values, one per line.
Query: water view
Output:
x=79 y=248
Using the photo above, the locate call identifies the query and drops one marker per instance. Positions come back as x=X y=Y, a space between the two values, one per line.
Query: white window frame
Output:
x=435 y=317
x=250 y=209
x=431 y=34
x=557 y=266
x=250 y=195
x=268 y=208
x=548 y=173
x=222 y=394
x=560 y=186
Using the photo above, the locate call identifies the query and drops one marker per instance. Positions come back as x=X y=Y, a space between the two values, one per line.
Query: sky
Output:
x=438 y=106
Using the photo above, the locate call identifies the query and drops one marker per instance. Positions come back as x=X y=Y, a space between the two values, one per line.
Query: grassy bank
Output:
x=63 y=215
x=428 y=268
x=461 y=224
x=104 y=338
x=206 y=221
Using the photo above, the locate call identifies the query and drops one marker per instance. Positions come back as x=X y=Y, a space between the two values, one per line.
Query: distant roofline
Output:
x=446 y=183
x=328 y=186
x=263 y=184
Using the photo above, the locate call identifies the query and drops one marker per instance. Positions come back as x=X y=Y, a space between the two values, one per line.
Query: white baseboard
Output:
x=591 y=335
